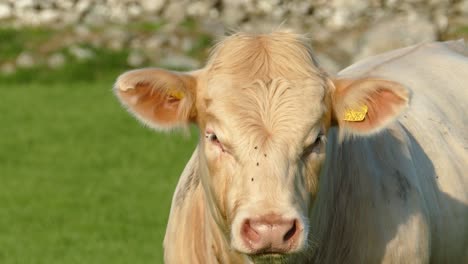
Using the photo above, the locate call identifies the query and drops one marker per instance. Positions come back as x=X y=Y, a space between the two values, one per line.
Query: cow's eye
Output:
x=211 y=136
x=315 y=146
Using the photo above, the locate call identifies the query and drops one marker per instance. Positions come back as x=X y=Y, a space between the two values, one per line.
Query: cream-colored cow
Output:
x=294 y=166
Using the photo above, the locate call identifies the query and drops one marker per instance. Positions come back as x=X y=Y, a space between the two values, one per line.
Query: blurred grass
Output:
x=15 y=41
x=459 y=32
x=81 y=180
x=42 y=42
x=145 y=26
x=33 y=39
x=199 y=49
x=108 y=63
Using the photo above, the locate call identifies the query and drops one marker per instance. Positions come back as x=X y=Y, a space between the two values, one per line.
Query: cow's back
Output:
x=434 y=130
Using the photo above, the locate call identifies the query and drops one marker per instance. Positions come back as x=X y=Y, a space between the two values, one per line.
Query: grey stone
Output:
x=5 y=11
x=23 y=4
x=186 y=44
x=118 y=14
x=98 y=15
x=65 y=4
x=152 y=6
x=116 y=38
x=134 y=10
x=80 y=53
x=8 y=69
x=327 y=64
x=154 y=43
x=174 y=12
x=82 y=31
x=115 y=45
x=395 y=33
x=136 y=44
x=233 y=13
x=440 y=20
x=213 y=14
x=462 y=7
x=25 y=60
x=267 y=6
x=198 y=8
x=82 y=6
x=346 y=13
x=214 y=27
x=70 y=17
x=56 y=60
x=178 y=61
x=48 y=16
x=345 y=30
x=136 y=59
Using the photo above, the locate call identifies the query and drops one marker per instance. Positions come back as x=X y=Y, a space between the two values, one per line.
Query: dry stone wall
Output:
x=341 y=31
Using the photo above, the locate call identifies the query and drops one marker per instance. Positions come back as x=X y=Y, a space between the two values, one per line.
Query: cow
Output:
x=294 y=165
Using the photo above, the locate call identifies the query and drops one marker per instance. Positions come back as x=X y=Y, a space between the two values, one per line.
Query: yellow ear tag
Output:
x=176 y=94
x=356 y=115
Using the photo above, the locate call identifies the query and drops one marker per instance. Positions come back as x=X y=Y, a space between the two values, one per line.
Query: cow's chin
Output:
x=270 y=258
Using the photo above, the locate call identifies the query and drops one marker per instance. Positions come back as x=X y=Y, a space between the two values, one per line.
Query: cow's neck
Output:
x=215 y=239
x=192 y=235
x=217 y=243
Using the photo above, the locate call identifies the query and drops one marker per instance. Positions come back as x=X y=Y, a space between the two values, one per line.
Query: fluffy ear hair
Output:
x=161 y=99
x=366 y=106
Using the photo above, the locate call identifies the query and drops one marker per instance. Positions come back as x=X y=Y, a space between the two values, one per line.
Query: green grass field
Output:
x=81 y=181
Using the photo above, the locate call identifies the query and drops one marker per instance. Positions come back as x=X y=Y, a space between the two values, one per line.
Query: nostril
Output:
x=291 y=232
x=249 y=233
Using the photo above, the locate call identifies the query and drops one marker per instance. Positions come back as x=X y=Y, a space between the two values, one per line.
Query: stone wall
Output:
x=341 y=31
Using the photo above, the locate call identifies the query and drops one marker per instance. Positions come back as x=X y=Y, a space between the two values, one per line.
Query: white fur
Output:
x=396 y=196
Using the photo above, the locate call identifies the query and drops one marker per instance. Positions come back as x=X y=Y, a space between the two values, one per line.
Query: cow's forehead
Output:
x=247 y=57
x=264 y=86
x=278 y=110
x=269 y=94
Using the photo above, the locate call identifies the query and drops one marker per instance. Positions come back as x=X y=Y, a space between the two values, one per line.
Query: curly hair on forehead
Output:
x=264 y=56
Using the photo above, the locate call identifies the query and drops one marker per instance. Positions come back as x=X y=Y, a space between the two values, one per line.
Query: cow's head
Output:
x=263 y=108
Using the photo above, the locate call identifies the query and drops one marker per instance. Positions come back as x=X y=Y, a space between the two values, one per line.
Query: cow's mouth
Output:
x=270 y=258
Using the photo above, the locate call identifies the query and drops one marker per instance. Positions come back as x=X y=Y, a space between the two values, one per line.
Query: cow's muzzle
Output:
x=271 y=234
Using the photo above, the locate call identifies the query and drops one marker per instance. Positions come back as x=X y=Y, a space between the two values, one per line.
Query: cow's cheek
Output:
x=311 y=173
x=221 y=168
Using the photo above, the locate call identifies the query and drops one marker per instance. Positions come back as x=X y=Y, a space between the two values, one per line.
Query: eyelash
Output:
x=211 y=136
x=312 y=148
x=319 y=138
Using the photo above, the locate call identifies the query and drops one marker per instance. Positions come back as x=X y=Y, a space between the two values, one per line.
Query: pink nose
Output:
x=270 y=234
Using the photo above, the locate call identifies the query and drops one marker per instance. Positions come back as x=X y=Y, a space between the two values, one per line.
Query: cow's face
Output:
x=262 y=145
x=263 y=109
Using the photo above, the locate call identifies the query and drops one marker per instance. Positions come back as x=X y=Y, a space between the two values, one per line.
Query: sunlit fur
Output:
x=389 y=191
x=157 y=83
x=344 y=227
x=266 y=99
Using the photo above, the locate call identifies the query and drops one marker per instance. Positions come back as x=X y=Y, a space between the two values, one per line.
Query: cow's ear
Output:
x=366 y=106
x=159 y=98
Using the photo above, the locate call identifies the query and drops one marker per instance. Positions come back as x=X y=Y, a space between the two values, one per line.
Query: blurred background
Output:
x=83 y=182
